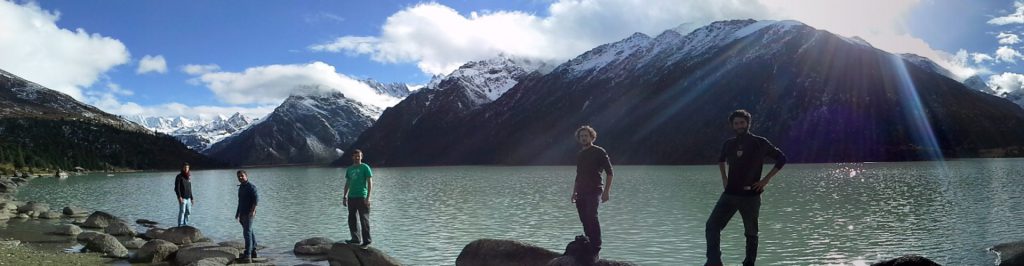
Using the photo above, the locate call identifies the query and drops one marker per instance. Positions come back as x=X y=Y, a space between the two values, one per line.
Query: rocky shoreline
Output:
x=104 y=238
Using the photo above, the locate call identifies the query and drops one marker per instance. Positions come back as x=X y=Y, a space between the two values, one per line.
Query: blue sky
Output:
x=256 y=51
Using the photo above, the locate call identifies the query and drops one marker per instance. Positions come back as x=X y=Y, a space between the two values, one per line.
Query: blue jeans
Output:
x=749 y=208
x=184 y=209
x=250 y=238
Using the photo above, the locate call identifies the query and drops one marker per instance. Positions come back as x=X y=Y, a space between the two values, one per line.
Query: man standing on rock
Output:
x=743 y=185
x=246 y=211
x=588 y=192
x=358 y=184
x=183 y=189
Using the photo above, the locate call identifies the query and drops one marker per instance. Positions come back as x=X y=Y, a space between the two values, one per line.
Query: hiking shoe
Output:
x=244 y=260
x=254 y=254
x=365 y=245
x=352 y=241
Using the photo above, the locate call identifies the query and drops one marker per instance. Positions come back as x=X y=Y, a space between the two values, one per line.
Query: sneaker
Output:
x=365 y=245
x=352 y=241
x=254 y=254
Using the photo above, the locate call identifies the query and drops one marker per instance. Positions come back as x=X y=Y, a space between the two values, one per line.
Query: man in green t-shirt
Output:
x=358 y=184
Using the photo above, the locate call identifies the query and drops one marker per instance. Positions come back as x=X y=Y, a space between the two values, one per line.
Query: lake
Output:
x=811 y=213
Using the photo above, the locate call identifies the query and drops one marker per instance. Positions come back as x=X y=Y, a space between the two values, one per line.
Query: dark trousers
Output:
x=586 y=206
x=727 y=206
x=358 y=207
x=250 y=238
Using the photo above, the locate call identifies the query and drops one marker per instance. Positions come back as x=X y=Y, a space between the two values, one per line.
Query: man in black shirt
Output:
x=183 y=189
x=743 y=185
x=246 y=211
x=588 y=192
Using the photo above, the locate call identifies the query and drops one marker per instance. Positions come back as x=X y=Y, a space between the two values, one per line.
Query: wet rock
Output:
x=503 y=252
x=50 y=215
x=134 y=243
x=68 y=230
x=345 y=254
x=36 y=207
x=85 y=236
x=99 y=219
x=155 y=250
x=74 y=212
x=195 y=252
x=108 y=245
x=313 y=246
x=120 y=228
x=181 y=235
x=1011 y=253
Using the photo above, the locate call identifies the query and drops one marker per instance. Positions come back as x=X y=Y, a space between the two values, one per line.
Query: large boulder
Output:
x=180 y=235
x=120 y=228
x=345 y=254
x=68 y=230
x=8 y=207
x=108 y=245
x=99 y=219
x=193 y=253
x=153 y=233
x=5 y=216
x=215 y=261
x=1009 y=253
x=155 y=250
x=313 y=246
x=35 y=207
x=72 y=211
x=50 y=215
x=134 y=243
x=86 y=236
x=498 y=252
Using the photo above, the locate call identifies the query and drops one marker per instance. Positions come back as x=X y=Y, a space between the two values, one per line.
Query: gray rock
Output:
x=22 y=216
x=68 y=230
x=99 y=219
x=198 y=251
x=108 y=245
x=5 y=216
x=180 y=235
x=503 y=252
x=152 y=233
x=134 y=243
x=345 y=254
x=8 y=207
x=36 y=207
x=215 y=261
x=120 y=228
x=86 y=236
x=50 y=215
x=313 y=246
x=155 y=250
x=235 y=244
x=1009 y=253
x=72 y=211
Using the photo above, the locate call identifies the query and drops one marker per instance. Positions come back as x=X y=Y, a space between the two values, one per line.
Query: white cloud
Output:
x=109 y=101
x=33 y=47
x=1007 y=82
x=150 y=63
x=1008 y=38
x=1017 y=17
x=193 y=69
x=1007 y=54
x=981 y=58
x=272 y=83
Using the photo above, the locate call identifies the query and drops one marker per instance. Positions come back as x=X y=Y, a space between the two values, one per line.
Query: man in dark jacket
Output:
x=743 y=185
x=183 y=189
x=247 y=200
x=588 y=191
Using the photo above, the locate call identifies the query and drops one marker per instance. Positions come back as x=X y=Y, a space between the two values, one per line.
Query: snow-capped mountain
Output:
x=395 y=89
x=445 y=98
x=308 y=128
x=927 y=64
x=664 y=100
x=974 y=82
x=198 y=133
